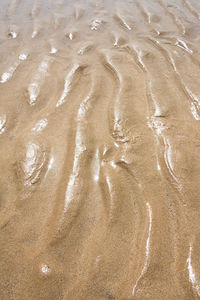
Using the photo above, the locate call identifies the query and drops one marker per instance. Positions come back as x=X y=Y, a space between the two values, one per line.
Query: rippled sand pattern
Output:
x=100 y=149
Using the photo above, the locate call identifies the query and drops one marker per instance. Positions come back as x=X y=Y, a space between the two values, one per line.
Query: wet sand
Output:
x=100 y=149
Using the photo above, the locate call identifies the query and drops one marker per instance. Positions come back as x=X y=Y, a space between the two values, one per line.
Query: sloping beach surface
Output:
x=99 y=149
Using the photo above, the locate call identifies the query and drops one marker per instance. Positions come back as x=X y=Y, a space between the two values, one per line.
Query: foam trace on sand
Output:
x=6 y=76
x=2 y=123
x=9 y=73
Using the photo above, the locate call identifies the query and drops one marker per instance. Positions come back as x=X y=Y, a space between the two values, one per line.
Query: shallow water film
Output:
x=99 y=149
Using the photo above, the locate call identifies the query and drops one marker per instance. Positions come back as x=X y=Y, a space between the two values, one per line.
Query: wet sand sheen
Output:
x=99 y=132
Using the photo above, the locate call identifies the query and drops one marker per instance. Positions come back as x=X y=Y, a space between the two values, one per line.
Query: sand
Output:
x=99 y=149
